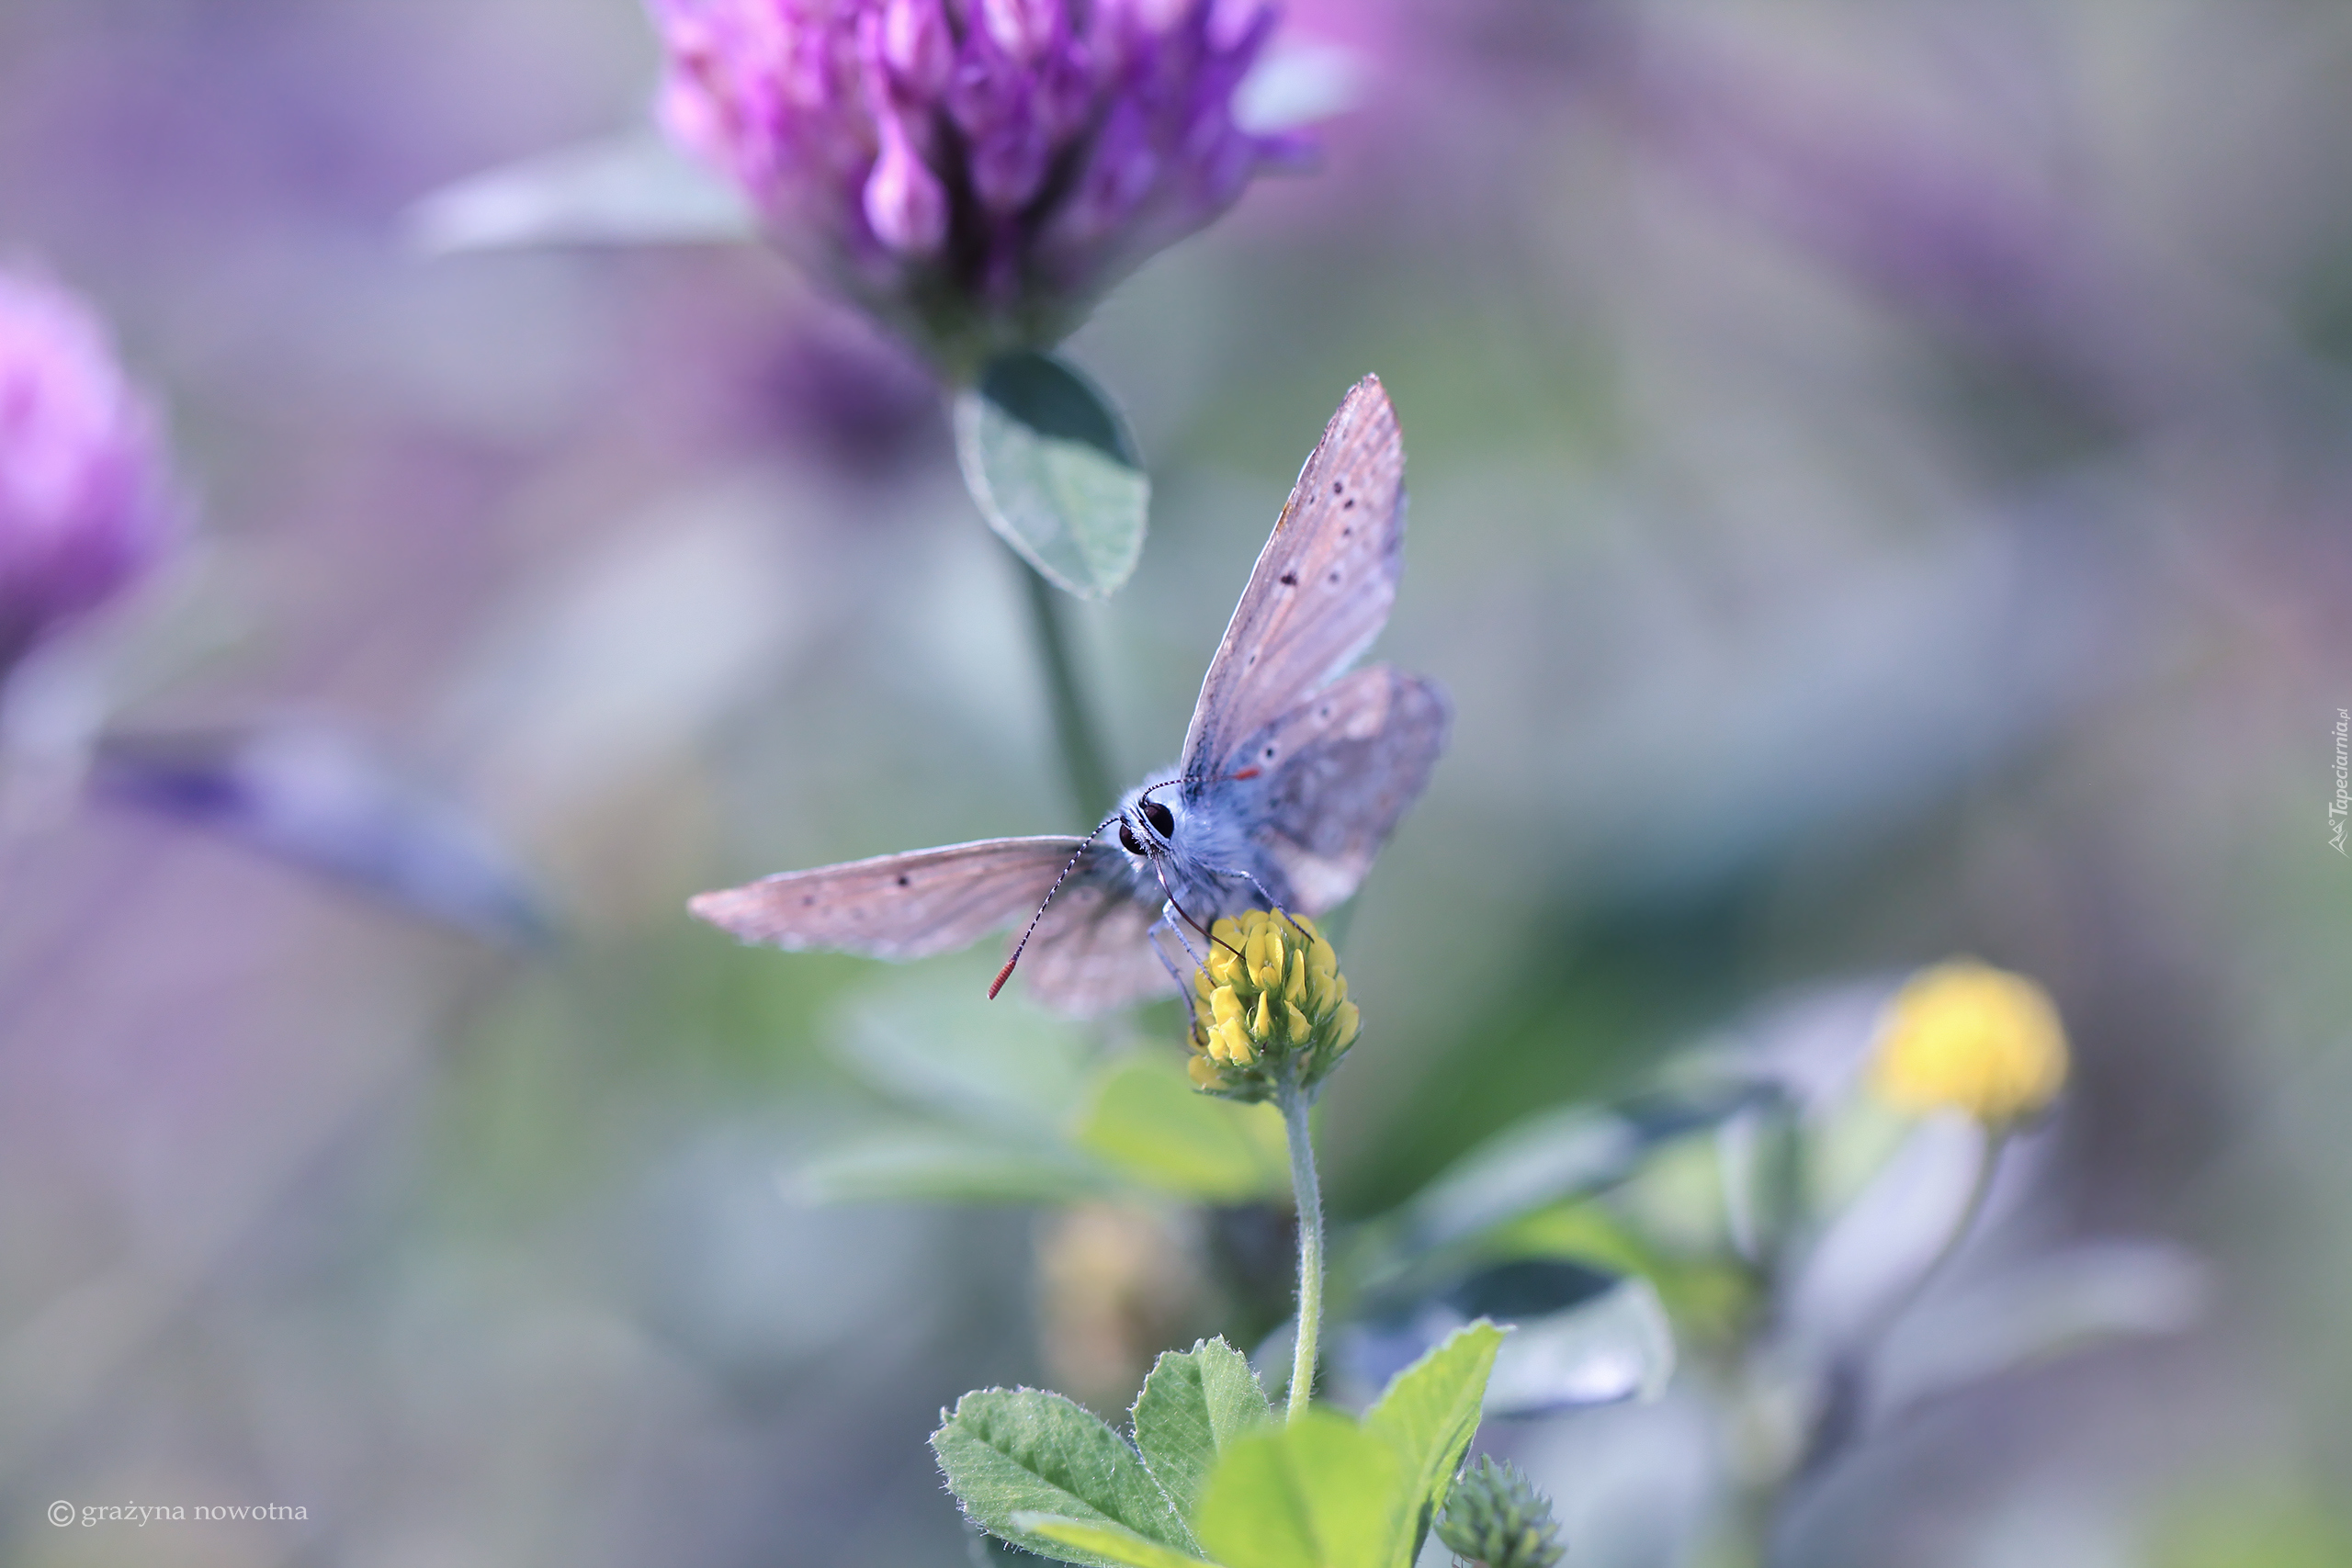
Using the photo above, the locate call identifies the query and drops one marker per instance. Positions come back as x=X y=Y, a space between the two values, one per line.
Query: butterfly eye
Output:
x=1127 y=837
x=1162 y=820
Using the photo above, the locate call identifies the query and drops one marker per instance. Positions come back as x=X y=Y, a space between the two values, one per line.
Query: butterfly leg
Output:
x=1159 y=950
x=1272 y=903
x=1166 y=924
x=1183 y=985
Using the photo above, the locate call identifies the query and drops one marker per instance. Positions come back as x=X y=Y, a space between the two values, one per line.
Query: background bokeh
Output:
x=1879 y=484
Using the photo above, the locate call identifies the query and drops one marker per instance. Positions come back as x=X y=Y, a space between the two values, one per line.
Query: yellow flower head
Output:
x=1966 y=1036
x=1270 y=995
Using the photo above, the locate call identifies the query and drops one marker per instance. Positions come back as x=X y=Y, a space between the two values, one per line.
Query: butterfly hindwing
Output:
x=1336 y=774
x=1322 y=587
x=1093 y=947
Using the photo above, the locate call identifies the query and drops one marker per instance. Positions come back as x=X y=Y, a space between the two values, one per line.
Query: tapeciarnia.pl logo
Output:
x=2341 y=805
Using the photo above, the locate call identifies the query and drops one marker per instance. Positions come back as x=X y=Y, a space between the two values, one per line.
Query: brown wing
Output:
x=906 y=906
x=1322 y=587
x=1093 y=949
x=1341 y=768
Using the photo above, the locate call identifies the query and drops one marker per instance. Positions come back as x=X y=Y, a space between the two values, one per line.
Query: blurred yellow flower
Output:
x=1966 y=1036
x=1117 y=1284
x=1269 y=994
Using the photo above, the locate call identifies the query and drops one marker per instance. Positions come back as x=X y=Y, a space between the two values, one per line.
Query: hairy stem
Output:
x=1082 y=767
x=1308 y=1193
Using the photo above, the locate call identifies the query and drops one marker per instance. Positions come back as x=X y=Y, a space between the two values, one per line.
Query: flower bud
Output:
x=84 y=507
x=1268 y=999
x=1966 y=1036
x=975 y=173
x=916 y=43
x=1494 y=1516
x=905 y=204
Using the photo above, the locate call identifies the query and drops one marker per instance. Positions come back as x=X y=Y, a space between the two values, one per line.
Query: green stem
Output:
x=1834 y=1427
x=1308 y=1193
x=1996 y=1140
x=1082 y=748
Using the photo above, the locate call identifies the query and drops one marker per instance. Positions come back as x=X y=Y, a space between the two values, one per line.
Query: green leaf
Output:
x=1619 y=1345
x=1008 y=1451
x=1195 y=1403
x=948 y=1167
x=634 y=188
x=931 y=1039
x=1561 y=1153
x=1319 y=1492
x=1430 y=1413
x=1848 y=1149
x=1055 y=470
x=2033 y=1312
x=1148 y=1121
x=1119 y=1545
x=1707 y=1297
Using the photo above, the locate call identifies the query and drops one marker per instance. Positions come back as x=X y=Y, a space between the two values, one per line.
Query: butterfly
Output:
x=1293 y=775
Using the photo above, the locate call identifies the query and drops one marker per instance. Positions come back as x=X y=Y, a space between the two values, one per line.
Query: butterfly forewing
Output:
x=1338 y=770
x=1322 y=587
x=905 y=905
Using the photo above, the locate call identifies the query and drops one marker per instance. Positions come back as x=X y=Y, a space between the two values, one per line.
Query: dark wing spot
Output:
x=807 y=899
x=1337 y=488
x=1270 y=750
x=1348 y=533
x=1350 y=505
x=1288 y=579
x=902 y=879
x=1324 y=713
x=1335 y=577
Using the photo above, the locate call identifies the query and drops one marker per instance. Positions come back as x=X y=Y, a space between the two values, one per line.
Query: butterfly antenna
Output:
x=1018 y=948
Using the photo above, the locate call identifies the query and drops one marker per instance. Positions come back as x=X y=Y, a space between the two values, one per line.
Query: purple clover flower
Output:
x=975 y=171
x=84 y=503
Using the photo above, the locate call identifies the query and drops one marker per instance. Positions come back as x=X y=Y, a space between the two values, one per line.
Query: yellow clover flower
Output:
x=1269 y=996
x=1966 y=1036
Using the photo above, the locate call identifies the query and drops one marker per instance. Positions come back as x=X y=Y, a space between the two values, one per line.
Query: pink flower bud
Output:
x=1009 y=165
x=1118 y=176
x=916 y=46
x=1022 y=28
x=905 y=204
x=85 y=508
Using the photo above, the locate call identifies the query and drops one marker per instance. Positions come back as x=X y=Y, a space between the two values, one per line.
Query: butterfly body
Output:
x=1196 y=856
x=1293 y=777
